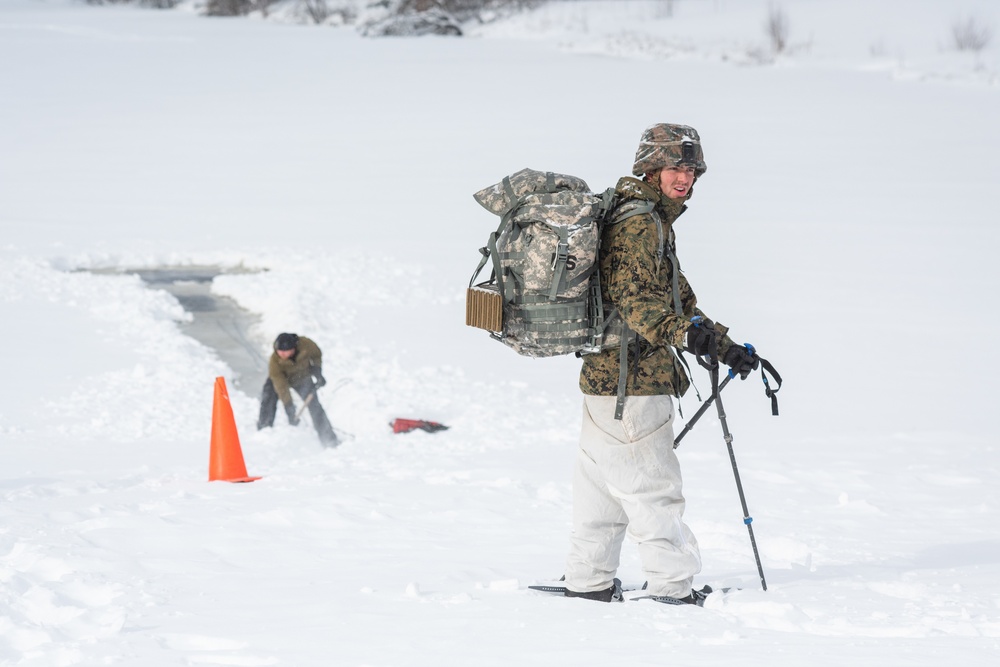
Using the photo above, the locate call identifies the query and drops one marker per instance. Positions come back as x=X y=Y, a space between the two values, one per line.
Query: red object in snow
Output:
x=407 y=425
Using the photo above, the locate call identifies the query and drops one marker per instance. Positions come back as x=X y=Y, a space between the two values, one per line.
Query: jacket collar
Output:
x=633 y=188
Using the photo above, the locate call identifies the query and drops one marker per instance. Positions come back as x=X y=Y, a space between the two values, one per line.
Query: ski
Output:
x=699 y=597
x=666 y=599
x=559 y=589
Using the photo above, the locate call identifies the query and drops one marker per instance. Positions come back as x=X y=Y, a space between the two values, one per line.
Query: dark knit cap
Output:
x=286 y=341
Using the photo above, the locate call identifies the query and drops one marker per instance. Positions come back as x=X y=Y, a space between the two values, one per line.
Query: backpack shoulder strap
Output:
x=636 y=207
x=627 y=337
x=617 y=215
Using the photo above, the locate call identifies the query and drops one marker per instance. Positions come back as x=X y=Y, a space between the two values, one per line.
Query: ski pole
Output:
x=747 y=519
x=701 y=411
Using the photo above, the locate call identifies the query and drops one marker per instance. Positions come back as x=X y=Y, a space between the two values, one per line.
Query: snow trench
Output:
x=217 y=321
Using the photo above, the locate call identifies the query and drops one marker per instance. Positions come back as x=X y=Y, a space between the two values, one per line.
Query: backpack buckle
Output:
x=561 y=255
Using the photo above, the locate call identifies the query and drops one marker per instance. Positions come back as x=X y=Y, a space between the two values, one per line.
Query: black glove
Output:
x=290 y=411
x=320 y=380
x=742 y=359
x=703 y=340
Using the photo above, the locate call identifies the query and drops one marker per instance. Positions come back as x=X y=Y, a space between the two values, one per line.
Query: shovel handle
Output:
x=305 y=403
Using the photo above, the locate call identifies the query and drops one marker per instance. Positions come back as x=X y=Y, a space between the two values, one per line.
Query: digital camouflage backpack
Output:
x=543 y=297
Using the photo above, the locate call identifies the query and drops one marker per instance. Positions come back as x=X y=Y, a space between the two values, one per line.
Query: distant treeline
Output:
x=462 y=10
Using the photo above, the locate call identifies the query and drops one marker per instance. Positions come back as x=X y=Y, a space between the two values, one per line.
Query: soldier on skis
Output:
x=627 y=476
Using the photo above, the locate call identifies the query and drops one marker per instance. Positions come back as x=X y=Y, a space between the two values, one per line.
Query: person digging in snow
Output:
x=627 y=476
x=294 y=364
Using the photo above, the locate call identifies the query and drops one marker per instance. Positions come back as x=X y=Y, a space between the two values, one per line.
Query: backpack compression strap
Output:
x=489 y=251
x=559 y=261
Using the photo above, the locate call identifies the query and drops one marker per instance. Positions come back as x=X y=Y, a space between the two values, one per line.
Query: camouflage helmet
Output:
x=667 y=145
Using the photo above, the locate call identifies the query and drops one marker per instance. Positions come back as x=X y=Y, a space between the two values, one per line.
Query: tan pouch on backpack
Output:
x=484 y=308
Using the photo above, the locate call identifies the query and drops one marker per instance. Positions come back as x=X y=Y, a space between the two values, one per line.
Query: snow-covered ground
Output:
x=846 y=226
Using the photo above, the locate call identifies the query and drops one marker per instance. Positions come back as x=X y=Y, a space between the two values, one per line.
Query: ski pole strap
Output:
x=710 y=361
x=766 y=367
x=679 y=355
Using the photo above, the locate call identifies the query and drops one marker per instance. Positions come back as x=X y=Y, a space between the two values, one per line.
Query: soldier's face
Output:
x=676 y=182
x=285 y=354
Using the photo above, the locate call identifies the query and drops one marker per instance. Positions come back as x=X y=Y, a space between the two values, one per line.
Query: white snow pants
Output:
x=627 y=477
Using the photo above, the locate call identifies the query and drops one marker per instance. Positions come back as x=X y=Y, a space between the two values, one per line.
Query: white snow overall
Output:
x=627 y=477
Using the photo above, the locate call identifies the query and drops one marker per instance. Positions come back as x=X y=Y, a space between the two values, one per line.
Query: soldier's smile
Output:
x=676 y=182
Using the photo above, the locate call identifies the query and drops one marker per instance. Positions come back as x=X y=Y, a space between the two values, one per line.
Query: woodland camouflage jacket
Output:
x=644 y=296
x=287 y=372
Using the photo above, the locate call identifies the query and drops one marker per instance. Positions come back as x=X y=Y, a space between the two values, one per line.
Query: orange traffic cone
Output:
x=225 y=461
